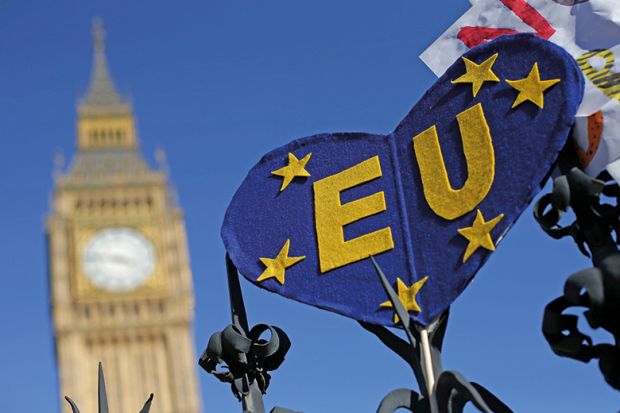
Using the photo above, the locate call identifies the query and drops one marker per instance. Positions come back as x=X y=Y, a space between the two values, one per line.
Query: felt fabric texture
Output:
x=588 y=29
x=296 y=167
x=276 y=267
x=332 y=216
x=532 y=88
x=479 y=234
x=477 y=74
x=368 y=194
x=407 y=296
x=445 y=201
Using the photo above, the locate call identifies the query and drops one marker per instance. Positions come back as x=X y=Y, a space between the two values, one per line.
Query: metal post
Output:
x=252 y=397
x=440 y=391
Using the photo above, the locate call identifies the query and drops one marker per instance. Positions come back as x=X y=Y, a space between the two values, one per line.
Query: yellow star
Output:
x=407 y=296
x=294 y=168
x=478 y=74
x=276 y=267
x=532 y=88
x=478 y=234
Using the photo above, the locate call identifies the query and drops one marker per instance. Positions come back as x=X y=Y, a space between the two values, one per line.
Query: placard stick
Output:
x=428 y=363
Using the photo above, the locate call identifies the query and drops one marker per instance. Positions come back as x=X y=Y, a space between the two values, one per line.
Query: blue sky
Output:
x=217 y=84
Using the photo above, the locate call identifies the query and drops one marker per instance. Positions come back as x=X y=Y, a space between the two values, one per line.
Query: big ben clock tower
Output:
x=120 y=280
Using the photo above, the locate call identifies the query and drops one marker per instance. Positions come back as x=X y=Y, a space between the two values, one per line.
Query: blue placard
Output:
x=430 y=201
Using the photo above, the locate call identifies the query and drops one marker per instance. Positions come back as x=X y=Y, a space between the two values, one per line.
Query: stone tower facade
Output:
x=120 y=280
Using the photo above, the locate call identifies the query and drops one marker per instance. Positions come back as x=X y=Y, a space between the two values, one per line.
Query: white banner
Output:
x=588 y=29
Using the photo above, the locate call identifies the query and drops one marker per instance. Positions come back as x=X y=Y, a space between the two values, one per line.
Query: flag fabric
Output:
x=587 y=29
x=430 y=201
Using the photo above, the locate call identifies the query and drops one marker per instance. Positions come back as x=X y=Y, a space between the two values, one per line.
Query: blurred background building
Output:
x=120 y=280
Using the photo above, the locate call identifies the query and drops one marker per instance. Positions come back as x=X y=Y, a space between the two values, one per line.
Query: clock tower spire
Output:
x=120 y=281
x=105 y=119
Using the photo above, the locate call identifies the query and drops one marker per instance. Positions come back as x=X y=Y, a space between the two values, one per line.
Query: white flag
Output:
x=588 y=29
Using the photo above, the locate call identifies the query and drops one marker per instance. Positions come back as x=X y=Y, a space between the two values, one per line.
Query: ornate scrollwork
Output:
x=451 y=391
x=596 y=232
x=246 y=357
x=239 y=355
x=451 y=394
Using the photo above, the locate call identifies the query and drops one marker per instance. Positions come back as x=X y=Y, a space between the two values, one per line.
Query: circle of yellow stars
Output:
x=296 y=167
x=478 y=74
x=407 y=296
x=531 y=88
x=276 y=267
x=479 y=234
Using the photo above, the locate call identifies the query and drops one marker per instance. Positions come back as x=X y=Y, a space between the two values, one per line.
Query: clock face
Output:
x=118 y=259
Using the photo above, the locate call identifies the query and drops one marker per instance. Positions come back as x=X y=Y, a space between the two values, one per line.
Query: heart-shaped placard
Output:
x=430 y=201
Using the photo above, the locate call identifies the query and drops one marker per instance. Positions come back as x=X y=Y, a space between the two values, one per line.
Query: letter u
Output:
x=445 y=201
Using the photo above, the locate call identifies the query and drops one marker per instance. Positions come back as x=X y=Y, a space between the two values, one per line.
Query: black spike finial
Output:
x=103 y=397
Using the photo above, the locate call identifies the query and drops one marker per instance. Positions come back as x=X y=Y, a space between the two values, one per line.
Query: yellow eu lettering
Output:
x=331 y=216
x=445 y=201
